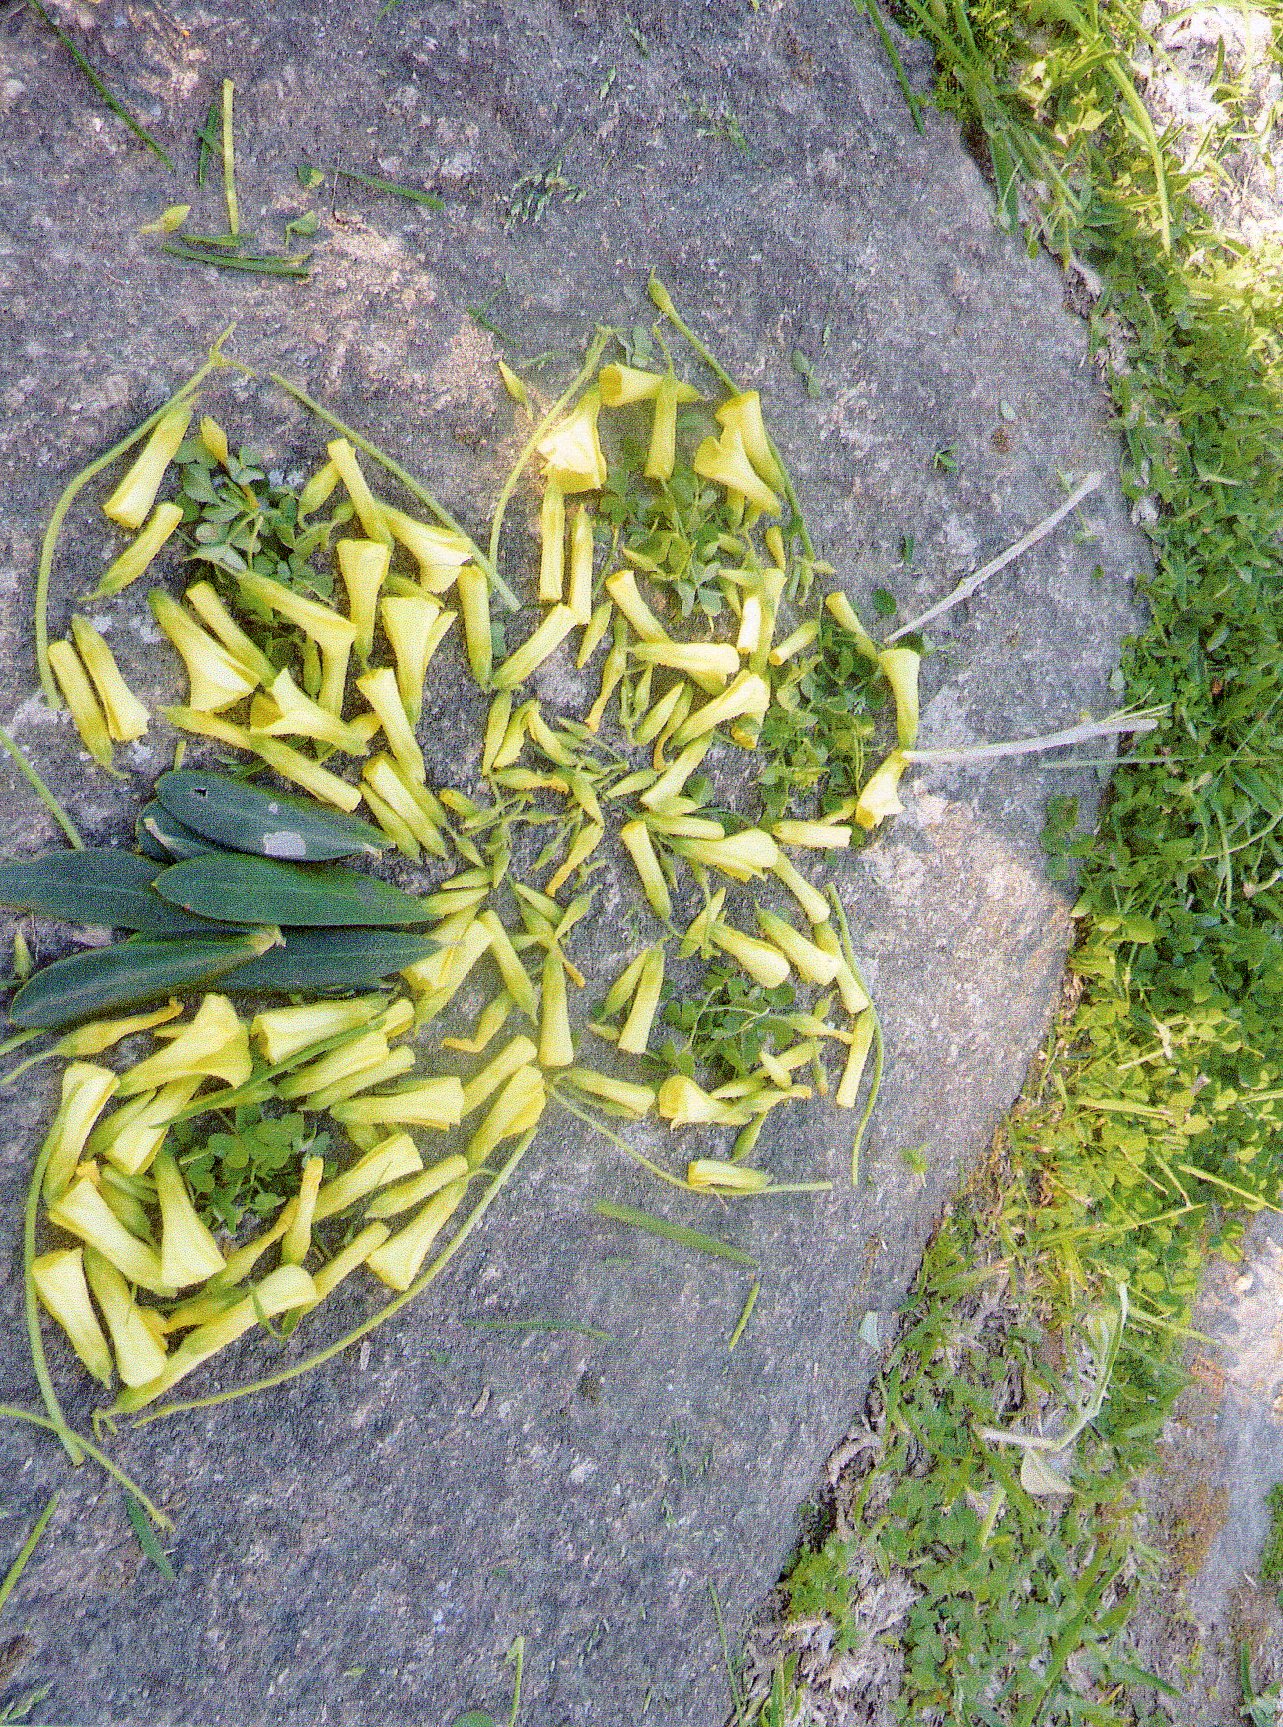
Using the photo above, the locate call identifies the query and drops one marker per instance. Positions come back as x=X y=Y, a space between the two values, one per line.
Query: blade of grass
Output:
x=147 y=1537
x=293 y=267
x=113 y=102
x=425 y=198
x=15 y=1571
x=677 y=1232
x=41 y=790
x=870 y=9
x=745 y=1314
x=540 y=1325
x=207 y=137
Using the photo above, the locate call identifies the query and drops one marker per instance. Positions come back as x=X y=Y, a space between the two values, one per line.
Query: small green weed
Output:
x=1270 y=1569
x=1156 y=1117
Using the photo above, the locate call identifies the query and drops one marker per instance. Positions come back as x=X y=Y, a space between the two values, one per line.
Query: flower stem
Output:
x=1143 y=720
x=50 y=542
x=968 y=586
x=269 y=1381
x=415 y=488
x=664 y=300
x=9 y=1412
x=72 y=1444
x=580 y=378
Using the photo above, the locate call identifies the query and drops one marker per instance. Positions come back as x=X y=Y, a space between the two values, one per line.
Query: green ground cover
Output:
x=1056 y=1296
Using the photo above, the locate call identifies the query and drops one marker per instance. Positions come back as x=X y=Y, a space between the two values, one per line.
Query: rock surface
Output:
x=364 y=1545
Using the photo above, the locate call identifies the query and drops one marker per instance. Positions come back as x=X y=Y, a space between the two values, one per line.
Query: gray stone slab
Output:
x=363 y=1546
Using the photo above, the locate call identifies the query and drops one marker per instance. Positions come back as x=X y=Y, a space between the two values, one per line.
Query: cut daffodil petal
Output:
x=416 y=626
x=764 y=963
x=140 y=1354
x=125 y=715
x=217 y=679
x=839 y=607
x=81 y=701
x=572 y=450
x=214 y=1044
x=436 y=1103
x=392 y=1160
x=744 y=414
x=59 y=1281
x=552 y=542
x=136 y=493
x=900 y=666
x=137 y=557
x=879 y=796
x=726 y=461
x=398 y=1260
x=368 y=510
x=188 y=1252
x=363 y=565
x=86 y=1089
x=203 y=599
x=714 y=1175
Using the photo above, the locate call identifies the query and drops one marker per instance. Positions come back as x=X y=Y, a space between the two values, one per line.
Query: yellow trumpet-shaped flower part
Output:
x=125 y=715
x=879 y=796
x=363 y=565
x=900 y=667
x=85 y=1091
x=140 y=1354
x=137 y=557
x=744 y=414
x=398 y=1260
x=714 y=1175
x=218 y=680
x=81 y=701
x=215 y=1044
x=726 y=461
x=59 y=1281
x=572 y=450
x=136 y=493
x=188 y=1252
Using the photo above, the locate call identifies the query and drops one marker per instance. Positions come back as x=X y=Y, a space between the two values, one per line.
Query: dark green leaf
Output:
x=270 y=824
x=95 y=886
x=237 y=888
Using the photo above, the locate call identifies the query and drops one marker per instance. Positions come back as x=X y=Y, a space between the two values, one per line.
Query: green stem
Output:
x=229 y=160
x=879 y=1046
x=113 y=102
x=415 y=487
x=158 y=1517
x=664 y=300
x=29 y=1546
x=71 y=1442
x=25 y=1066
x=386 y=1312
x=41 y=790
x=581 y=377
x=622 y=1144
x=49 y=544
